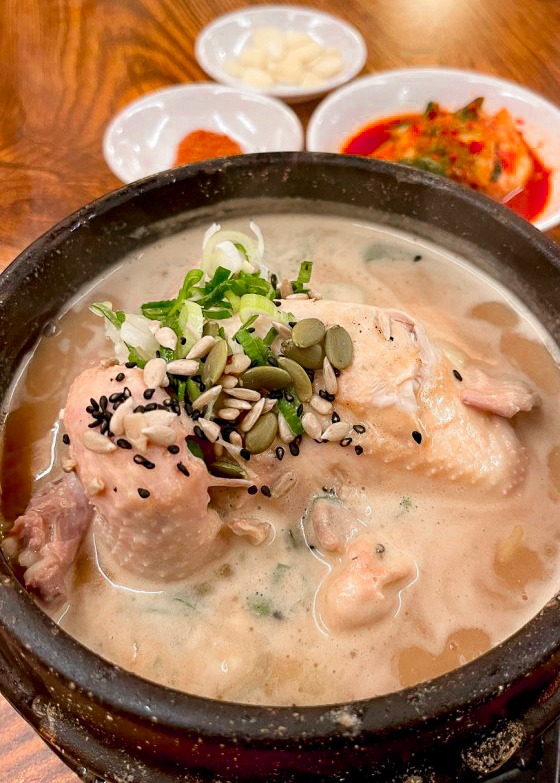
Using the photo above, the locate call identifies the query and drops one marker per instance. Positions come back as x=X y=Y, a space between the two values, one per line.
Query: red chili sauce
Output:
x=528 y=203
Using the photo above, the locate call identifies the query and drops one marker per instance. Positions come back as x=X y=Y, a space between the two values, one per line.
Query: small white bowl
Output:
x=225 y=37
x=143 y=138
x=342 y=114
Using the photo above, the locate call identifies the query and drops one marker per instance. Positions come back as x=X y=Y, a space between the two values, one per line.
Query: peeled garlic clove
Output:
x=256 y=77
x=327 y=67
x=253 y=57
x=309 y=52
x=234 y=68
x=294 y=39
x=312 y=80
x=290 y=73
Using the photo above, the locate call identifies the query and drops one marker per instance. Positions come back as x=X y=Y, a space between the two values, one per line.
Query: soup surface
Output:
x=381 y=567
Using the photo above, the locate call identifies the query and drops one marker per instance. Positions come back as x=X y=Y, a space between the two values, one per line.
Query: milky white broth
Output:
x=246 y=627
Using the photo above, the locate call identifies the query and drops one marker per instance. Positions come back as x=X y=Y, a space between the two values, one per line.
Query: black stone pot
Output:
x=110 y=725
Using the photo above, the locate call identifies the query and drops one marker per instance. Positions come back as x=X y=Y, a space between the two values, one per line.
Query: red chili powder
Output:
x=202 y=145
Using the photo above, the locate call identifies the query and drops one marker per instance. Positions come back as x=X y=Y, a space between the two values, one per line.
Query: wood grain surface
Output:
x=66 y=67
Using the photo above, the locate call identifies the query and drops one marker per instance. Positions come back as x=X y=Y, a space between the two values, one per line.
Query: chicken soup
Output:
x=300 y=462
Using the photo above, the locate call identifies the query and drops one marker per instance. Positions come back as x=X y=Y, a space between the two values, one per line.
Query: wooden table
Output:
x=68 y=65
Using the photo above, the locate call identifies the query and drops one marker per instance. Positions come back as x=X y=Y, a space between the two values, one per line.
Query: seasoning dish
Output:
x=225 y=38
x=144 y=137
x=392 y=93
x=106 y=722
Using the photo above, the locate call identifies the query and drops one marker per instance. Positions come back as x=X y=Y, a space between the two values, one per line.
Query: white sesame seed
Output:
x=155 y=374
x=183 y=367
x=201 y=347
x=252 y=417
x=336 y=432
x=244 y=394
x=166 y=337
x=207 y=397
x=95 y=441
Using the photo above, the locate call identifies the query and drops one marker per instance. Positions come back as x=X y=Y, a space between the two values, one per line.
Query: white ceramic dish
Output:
x=225 y=37
x=345 y=112
x=142 y=139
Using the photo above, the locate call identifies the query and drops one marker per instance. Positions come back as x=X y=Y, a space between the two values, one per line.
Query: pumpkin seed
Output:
x=261 y=436
x=338 y=347
x=299 y=377
x=227 y=469
x=215 y=363
x=309 y=358
x=308 y=332
x=265 y=377
x=211 y=328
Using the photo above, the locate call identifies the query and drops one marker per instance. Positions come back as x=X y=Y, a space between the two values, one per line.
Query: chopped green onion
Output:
x=254 y=347
x=194 y=448
x=270 y=336
x=105 y=310
x=289 y=412
x=134 y=357
x=190 y=323
x=304 y=276
x=193 y=389
x=157 y=311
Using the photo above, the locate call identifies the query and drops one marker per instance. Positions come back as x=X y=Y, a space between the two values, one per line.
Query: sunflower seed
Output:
x=215 y=363
x=253 y=416
x=283 y=330
x=331 y=384
x=155 y=373
x=308 y=332
x=286 y=288
x=284 y=430
x=244 y=394
x=241 y=405
x=95 y=441
x=207 y=397
x=153 y=418
x=210 y=429
x=117 y=419
x=297 y=296
x=229 y=414
x=228 y=381
x=324 y=407
x=238 y=363
x=338 y=347
x=201 y=347
x=166 y=337
x=283 y=484
x=336 y=432
x=183 y=367
x=311 y=425
x=262 y=435
x=236 y=438
x=269 y=404
x=160 y=434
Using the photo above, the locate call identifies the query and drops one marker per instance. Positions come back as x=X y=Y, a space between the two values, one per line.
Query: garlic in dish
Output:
x=275 y=57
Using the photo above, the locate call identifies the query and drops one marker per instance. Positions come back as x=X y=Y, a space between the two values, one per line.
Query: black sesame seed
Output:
x=298 y=439
x=251 y=329
x=458 y=375
x=158 y=354
x=103 y=402
x=273 y=361
x=173 y=449
x=160 y=407
x=336 y=372
x=94 y=404
x=127 y=393
x=310 y=374
x=139 y=409
x=417 y=436
x=359 y=450
x=198 y=432
x=148 y=394
x=246 y=454
x=90 y=409
x=123 y=443
x=130 y=365
x=273 y=280
x=140 y=460
x=322 y=394
x=253 y=490
x=66 y=439
x=391 y=338
x=294 y=449
x=266 y=491
x=417 y=258
x=183 y=340
x=345 y=442
x=167 y=402
x=335 y=418
x=183 y=469
x=151 y=406
x=277 y=302
x=120 y=377
x=99 y=415
x=276 y=395
x=142 y=492
x=94 y=424
x=292 y=323
x=300 y=409
x=175 y=407
x=202 y=386
x=114 y=489
x=359 y=428
x=330 y=397
x=379 y=548
x=116 y=397
x=279 y=453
